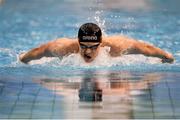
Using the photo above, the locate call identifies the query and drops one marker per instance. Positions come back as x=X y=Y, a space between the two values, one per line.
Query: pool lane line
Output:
x=15 y=103
x=2 y=88
x=53 y=104
x=33 y=103
x=171 y=100
x=151 y=100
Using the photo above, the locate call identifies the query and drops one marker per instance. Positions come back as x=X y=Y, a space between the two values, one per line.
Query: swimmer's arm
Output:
x=34 y=54
x=150 y=50
x=55 y=48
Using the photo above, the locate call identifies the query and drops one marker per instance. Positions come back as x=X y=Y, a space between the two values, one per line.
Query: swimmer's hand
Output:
x=168 y=58
x=21 y=58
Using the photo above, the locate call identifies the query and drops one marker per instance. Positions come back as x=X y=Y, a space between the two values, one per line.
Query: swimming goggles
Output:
x=90 y=47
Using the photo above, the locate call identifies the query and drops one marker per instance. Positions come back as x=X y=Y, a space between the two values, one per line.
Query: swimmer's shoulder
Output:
x=63 y=46
x=115 y=40
x=65 y=41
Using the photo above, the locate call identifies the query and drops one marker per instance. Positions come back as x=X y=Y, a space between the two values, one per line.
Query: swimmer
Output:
x=89 y=43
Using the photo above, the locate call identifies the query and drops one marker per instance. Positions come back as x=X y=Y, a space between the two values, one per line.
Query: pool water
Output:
x=131 y=86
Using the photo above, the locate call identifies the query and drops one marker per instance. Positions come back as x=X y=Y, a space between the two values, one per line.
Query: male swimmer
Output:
x=89 y=43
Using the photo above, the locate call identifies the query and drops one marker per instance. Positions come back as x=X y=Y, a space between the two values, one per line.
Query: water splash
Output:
x=102 y=60
x=7 y=57
x=97 y=17
x=99 y=20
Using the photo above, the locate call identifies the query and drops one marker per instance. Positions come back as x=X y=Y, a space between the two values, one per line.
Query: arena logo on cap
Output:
x=89 y=38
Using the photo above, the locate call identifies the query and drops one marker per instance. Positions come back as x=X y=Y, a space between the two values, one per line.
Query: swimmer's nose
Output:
x=88 y=51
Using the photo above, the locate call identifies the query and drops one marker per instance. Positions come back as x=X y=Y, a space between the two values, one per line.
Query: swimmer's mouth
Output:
x=87 y=56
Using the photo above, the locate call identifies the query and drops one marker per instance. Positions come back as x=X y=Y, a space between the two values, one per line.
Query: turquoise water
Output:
x=129 y=86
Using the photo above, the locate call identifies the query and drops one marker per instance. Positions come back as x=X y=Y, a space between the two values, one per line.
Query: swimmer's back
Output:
x=117 y=44
x=63 y=46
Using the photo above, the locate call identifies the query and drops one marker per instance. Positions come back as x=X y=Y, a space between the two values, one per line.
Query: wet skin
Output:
x=89 y=50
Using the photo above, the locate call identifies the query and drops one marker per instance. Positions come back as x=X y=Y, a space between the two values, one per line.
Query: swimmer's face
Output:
x=89 y=50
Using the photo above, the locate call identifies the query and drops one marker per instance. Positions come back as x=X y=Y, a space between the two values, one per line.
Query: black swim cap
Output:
x=89 y=32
